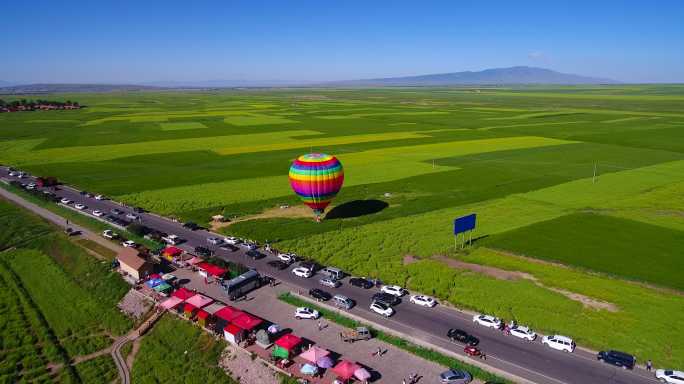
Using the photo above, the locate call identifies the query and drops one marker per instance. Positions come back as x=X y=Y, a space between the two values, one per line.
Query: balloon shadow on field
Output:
x=356 y=208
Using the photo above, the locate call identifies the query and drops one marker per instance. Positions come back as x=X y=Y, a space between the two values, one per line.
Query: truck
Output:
x=240 y=285
x=352 y=335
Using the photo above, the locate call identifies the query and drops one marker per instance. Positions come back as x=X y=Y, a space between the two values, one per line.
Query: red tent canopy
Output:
x=189 y=308
x=345 y=369
x=202 y=314
x=183 y=293
x=172 y=251
x=289 y=341
x=232 y=329
x=211 y=269
x=228 y=313
x=247 y=321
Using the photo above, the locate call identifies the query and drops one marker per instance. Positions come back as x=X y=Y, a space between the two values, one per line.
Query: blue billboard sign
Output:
x=464 y=224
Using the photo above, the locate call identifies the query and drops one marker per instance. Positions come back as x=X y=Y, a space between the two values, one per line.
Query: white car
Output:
x=65 y=201
x=670 y=377
x=306 y=313
x=99 y=197
x=172 y=239
x=31 y=186
x=393 y=290
x=329 y=282
x=109 y=234
x=13 y=173
x=132 y=216
x=129 y=244
x=487 y=321
x=381 y=309
x=98 y=213
x=560 y=343
x=302 y=272
x=523 y=333
x=287 y=257
x=422 y=300
x=80 y=206
x=214 y=240
x=231 y=240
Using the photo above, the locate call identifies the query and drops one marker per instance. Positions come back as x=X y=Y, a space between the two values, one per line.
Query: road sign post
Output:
x=463 y=225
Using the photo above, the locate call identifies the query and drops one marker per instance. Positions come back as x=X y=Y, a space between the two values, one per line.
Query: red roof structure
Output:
x=189 y=308
x=247 y=321
x=345 y=369
x=202 y=314
x=228 y=313
x=211 y=269
x=183 y=294
x=289 y=341
x=172 y=251
x=232 y=329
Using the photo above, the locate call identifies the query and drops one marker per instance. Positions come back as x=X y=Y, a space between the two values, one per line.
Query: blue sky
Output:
x=141 y=41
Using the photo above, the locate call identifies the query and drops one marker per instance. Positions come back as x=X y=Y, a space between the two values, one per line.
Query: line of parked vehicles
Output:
x=382 y=301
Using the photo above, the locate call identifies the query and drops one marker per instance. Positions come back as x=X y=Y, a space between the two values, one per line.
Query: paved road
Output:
x=531 y=361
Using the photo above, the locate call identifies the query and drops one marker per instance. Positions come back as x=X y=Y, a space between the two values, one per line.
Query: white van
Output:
x=334 y=273
x=560 y=343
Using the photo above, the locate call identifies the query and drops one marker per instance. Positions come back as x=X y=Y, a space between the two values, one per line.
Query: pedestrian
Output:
x=483 y=356
x=379 y=353
x=320 y=326
x=649 y=365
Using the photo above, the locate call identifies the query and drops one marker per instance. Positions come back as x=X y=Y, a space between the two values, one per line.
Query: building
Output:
x=132 y=264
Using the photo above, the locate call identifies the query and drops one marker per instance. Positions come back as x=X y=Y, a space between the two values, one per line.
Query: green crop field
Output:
x=590 y=177
x=59 y=303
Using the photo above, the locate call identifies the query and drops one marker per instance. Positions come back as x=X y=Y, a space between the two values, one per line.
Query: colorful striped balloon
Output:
x=316 y=178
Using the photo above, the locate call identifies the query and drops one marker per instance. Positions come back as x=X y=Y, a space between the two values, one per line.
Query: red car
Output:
x=471 y=351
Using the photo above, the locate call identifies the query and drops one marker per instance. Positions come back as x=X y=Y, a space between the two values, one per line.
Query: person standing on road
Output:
x=320 y=326
x=649 y=365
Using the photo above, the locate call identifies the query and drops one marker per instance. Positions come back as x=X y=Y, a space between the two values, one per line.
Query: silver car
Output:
x=329 y=282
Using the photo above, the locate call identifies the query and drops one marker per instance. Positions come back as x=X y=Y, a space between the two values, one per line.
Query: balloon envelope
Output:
x=316 y=178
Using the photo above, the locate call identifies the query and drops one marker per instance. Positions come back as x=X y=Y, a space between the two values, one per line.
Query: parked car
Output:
x=132 y=216
x=277 y=264
x=129 y=244
x=393 y=290
x=361 y=282
x=386 y=298
x=306 y=313
x=116 y=211
x=83 y=193
x=138 y=210
x=191 y=226
x=319 y=294
x=100 y=197
x=424 y=301
x=109 y=234
x=343 y=302
x=353 y=335
x=287 y=257
x=203 y=251
x=455 y=376
x=232 y=240
x=487 y=321
x=617 y=358
x=31 y=186
x=214 y=240
x=302 y=272
x=329 y=282
x=80 y=206
x=254 y=254
x=462 y=336
x=670 y=376
x=310 y=265
x=98 y=213
x=334 y=273
x=471 y=351
x=171 y=239
x=523 y=333
x=560 y=343
x=381 y=309
x=65 y=201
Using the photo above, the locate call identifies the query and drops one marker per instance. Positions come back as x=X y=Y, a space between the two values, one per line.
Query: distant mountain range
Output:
x=495 y=76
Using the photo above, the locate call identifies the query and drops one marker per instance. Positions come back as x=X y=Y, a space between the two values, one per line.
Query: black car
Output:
x=116 y=211
x=319 y=294
x=203 y=251
x=361 y=282
x=191 y=226
x=386 y=298
x=228 y=247
x=255 y=255
x=310 y=265
x=138 y=210
x=617 y=358
x=83 y=193
x=462 y=336
x=277 y=264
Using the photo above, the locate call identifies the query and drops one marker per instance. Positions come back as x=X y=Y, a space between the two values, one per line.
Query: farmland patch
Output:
x=181 y=126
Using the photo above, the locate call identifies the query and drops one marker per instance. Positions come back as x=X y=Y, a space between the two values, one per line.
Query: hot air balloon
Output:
x=316 y=178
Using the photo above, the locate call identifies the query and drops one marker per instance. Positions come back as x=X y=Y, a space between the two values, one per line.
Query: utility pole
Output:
x=593 y=179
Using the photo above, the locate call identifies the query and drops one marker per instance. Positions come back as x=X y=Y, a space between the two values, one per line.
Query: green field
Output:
x=584 y=176
x=175 y=351
x=58 y=301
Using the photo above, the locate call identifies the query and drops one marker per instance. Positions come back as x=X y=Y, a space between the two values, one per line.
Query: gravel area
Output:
x=244 y=369
x=134 y=304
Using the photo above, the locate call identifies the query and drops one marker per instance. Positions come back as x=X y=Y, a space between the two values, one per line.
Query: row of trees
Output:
x=30 y=105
